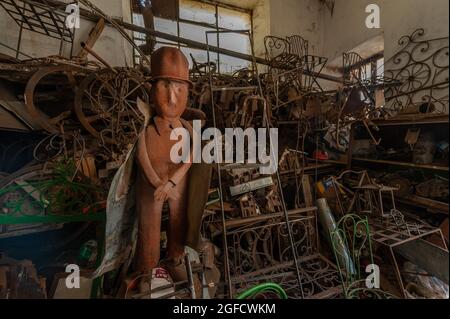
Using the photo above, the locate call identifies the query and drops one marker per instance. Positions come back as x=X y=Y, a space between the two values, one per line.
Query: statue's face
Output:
x=170 y=97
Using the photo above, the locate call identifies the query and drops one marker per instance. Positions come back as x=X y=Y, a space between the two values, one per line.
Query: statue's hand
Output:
x=172 y=193
x=166 y=191
x=160 y=195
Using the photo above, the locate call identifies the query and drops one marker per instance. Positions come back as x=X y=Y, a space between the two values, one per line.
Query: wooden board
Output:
x=307 y=194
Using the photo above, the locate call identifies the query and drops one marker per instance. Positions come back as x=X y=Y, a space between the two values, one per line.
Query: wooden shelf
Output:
x=429 y=204
x=334 y=162
x=414 y=119
x=422 y=166
x=235 y=222
x=288 y=122
x=306 y=169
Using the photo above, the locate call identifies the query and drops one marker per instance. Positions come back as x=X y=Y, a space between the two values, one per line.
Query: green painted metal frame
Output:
x=357 y=228
x=18 y=217
x=253 y=292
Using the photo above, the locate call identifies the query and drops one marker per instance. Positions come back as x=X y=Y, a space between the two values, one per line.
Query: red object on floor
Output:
x=320 y=155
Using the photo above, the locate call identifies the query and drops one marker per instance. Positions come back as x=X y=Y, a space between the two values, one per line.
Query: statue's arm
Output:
x=181 y=172
x=144 y=162
x=178 y=175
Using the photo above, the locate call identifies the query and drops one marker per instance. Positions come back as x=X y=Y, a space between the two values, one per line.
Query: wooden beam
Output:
x=93 y=36
x=226 y=6
x=243 y=221
x=307 y=194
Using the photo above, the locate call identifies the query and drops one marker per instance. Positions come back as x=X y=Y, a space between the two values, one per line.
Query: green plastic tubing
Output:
x=272 y=287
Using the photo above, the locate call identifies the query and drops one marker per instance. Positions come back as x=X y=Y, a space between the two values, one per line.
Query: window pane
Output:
x=234 y=20
x=230 y=64
x=199 y=12
x=367 y=71
x=238 y=43
x=197 y=33
x=138 y=20
x=380 y=67
x=165 y=26
x=235 y=42
x=200 y=56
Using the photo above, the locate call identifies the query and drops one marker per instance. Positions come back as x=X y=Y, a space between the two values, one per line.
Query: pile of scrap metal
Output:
x=394 y=236
x=257 y=245
x=263 y=238
x=89 y=113
x=291 y=84
x=418 y=189
x=19 y=280
x=88 y=119
x=88 y=108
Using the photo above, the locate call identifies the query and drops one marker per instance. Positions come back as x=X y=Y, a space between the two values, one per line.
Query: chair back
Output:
x=350 y=242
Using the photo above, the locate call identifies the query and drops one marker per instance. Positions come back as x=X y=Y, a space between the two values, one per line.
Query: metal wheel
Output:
x=106 y=106
x=45 y=85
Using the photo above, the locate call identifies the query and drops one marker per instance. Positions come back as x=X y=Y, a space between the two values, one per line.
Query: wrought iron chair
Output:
x=298 y=45
x=354 y=69
x=350 y=241
x=358 y=74
x=310 y=65
x=278 y=53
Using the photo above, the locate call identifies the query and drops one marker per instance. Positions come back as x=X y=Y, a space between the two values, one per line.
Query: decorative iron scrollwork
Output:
x=421 y=66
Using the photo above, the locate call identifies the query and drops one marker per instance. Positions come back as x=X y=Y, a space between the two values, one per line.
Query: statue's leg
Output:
x=149 y=213
x=177 y=231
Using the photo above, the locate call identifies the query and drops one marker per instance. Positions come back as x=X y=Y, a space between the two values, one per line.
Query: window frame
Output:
x=214 y=26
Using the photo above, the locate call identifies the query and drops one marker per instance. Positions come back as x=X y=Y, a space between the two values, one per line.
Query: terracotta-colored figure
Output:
x=159 y=179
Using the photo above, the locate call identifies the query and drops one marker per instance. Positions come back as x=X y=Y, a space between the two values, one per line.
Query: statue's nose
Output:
x=172 y=95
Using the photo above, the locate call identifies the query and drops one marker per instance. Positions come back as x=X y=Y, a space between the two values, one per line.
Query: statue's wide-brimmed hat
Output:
x=170 y=63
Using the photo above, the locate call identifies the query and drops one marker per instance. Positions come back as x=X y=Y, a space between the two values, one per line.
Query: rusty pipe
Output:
x=98 y=57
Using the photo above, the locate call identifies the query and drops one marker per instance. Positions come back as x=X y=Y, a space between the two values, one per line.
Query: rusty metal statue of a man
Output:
x=148 y=178
x=159 y=179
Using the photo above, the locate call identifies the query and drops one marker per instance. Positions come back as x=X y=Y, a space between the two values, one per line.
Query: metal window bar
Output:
x=286 y=215
x=214 y=25
x=39 y=18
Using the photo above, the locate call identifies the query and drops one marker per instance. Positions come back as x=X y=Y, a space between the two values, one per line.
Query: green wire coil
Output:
x=266 y=287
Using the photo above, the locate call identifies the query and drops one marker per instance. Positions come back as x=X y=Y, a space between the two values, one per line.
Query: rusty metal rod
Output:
x=239 y=222
x=98 y=57
x=97 y=11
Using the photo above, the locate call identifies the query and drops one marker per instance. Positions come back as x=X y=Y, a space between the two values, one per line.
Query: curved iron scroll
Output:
x=421 y=66
x=275 y=46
